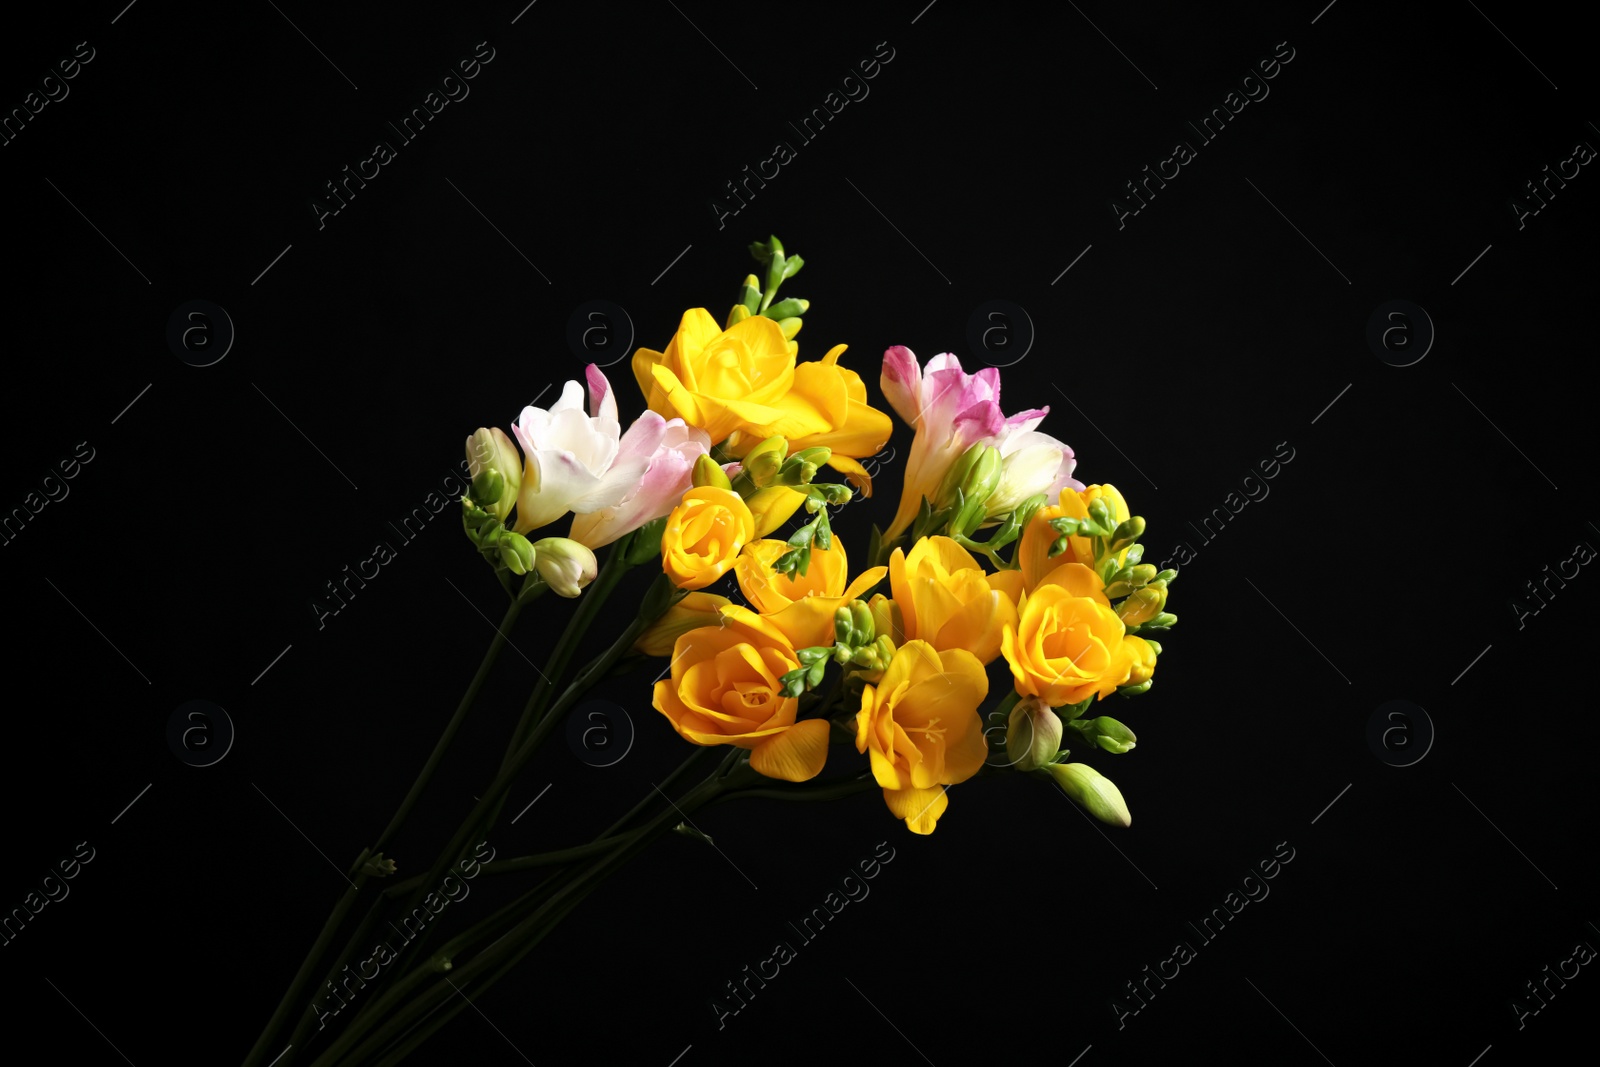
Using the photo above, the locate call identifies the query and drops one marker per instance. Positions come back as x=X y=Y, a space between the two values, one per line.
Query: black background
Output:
x=1177 y=353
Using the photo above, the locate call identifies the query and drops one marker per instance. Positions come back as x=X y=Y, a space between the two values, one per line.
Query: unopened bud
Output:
x=515 y=552
x=489 y=449
x=1127 y=533
x=763 y=462
x=861 y=622
x=842 y=631
x=789 y=308
x=887 y=620
x=1033 y=734
x=708 y=472
x=1093 y=791
x=1143 y=605
x=1112 y=735
x=566 y=565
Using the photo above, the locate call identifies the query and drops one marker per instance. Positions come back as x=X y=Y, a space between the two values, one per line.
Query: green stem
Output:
x=616 y=565
x=298 y=1038
x=522 y=863
x=303 y=975
x=436 y=1019
x=297 y=986
x=492 y=798
x=666 y=784
x=439 y=1017
x=509 y=949
x=501 y=636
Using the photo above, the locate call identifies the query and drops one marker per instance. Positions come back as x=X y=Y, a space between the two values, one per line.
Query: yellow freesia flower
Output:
x=921 y=729
x=1067 y=644
x=703 y=536
x=947 y=600
x=802 y=606
x=725 y=380
x=1033 y=553
x=742 y=383
x=690 y=613
x=726 y=689
x=836 y=395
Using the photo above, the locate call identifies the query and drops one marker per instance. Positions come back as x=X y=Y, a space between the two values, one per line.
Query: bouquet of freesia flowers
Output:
x=995 y=551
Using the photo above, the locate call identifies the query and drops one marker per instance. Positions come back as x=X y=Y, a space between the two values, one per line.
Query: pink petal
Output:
x=602 y=399
x=901 y=382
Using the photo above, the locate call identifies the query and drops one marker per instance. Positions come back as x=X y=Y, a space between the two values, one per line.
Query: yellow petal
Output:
x=773 y=506
x=808 y=621
x=796 y=755
x=853 y=472
x=864 y=581
x=920 y=808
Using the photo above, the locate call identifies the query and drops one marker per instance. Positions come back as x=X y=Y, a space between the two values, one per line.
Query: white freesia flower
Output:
x=572 y=461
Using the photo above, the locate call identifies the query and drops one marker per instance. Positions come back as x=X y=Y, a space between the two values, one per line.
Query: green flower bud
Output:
x=516 y=552
x=1033 y=734
x=975 y=473
x=708 y=472
x=489 y=449
x=736 y=314
x=814 y=674
x=762 y=463
x=784 y=309
x=801 y=467
x=1100 y=513
x=794 y=683
x=488 y=487
x=843 y=634
x=750 y=294
x=566 y=565
x=1135 y=690
x=1112 y=736
x=861 y=622
x=1127 y=533
x=867 y=658
x=1093 y=791
x=790 y=327
x=1167 y=575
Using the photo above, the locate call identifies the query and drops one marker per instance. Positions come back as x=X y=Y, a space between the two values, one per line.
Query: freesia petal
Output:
x=795 y=755
x=602 y=398
x=901 y=382
x=920 y=808
x=558 y=480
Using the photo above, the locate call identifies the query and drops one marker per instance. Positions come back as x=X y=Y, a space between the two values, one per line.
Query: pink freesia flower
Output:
x=655 y=455
x=950 y=411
